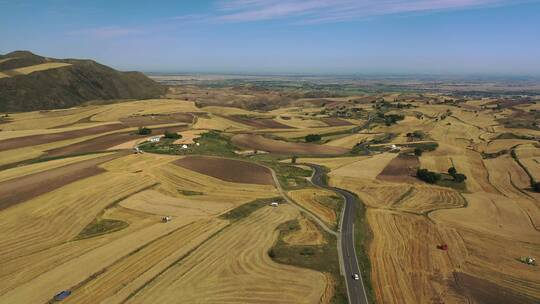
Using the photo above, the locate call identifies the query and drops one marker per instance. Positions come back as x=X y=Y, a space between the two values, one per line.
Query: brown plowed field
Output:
x=252 y=141
x=21 y=189
x=400 y=169
x=262 y=123
x=104 y=142
x=228 y=169
x=33 y=140
x=334 y=121
x=149 y=120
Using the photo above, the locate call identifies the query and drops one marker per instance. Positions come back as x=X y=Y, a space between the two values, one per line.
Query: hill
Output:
x=32 y=82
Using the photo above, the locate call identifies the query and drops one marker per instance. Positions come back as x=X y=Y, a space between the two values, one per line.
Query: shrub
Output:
x=428 y=176
x=536 y=186
x=172 y=135
x=418 y=151
x=458 y=177
x=144 y=131
x=452 y=171
x=293 y=159
x=392 y=118
x=313 y=137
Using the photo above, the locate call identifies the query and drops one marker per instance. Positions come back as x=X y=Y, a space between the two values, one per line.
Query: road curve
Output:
x=355 y=288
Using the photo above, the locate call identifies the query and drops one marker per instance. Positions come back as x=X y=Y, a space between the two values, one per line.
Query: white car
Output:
x=356 y=277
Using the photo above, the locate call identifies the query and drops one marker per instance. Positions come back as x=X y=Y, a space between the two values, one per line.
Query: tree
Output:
x=293 y=159
x=428 y=176
x=313 y=137
x=418 y=151
x=452 y=171
x=171 y=135
x=144 y=131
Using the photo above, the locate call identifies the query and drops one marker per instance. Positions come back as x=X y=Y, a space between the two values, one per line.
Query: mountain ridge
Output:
x=32 y=82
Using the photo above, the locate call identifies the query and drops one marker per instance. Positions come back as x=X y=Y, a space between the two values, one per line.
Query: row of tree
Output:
x=433 y=177
x=167 y=134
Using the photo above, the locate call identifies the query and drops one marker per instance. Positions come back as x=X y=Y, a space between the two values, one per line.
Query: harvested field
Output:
x=228 y=169
x=307 y=234
x=504 y=144
x=299 y=122
x=529 y=156
x=117 y=111
x=215 y=122
x=401 y=169
x=41 y=120
x=149 y=120
x=258 y=142
x=104 y=142
x=20 y=171
x=33 y=140
x=310 y=200
x=368 y=168
x=128 y=275
x=24 y=188
x=232 y=269
x=406 y=265
x=261 y=123
x=299 y=133
x=350 y=141
x=334 y=121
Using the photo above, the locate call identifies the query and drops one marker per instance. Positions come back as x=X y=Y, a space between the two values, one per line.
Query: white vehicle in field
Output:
x=274 y=204
x=356 y=277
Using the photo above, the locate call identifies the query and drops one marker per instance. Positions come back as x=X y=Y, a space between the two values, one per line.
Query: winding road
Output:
x=355 y=288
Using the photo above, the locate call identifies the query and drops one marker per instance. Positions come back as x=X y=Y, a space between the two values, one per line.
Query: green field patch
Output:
x=100 y=227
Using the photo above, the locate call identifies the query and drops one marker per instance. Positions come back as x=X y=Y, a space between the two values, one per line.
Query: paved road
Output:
x=355 y=289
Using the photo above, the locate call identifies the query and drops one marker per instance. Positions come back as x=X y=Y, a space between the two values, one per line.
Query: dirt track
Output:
x=252 y=141
x=21 y=189
x=228 y=169
x=33 y=140
x=104 y=142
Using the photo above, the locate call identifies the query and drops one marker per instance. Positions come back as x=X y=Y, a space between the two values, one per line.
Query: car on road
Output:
x=356 y=277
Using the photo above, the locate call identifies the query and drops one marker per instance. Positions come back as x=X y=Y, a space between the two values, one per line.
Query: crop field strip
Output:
x=229 y=269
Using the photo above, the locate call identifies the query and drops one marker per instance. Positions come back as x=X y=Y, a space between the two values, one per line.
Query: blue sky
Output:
x=283 y=36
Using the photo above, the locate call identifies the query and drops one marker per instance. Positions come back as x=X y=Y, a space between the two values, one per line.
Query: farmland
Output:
x=83 y=192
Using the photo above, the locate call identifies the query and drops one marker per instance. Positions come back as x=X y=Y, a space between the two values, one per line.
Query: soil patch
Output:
x=33 y=140
x=228 y=169
x=258 y=142
x=485 y=292
x=21 y=189
x=401 y=169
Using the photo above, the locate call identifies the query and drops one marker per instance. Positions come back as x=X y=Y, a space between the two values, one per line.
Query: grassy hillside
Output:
x=31 y=82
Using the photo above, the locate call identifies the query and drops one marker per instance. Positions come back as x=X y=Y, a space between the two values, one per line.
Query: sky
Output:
x=480 y=37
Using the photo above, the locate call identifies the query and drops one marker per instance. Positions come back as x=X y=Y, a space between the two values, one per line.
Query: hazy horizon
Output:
x=300 y=37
